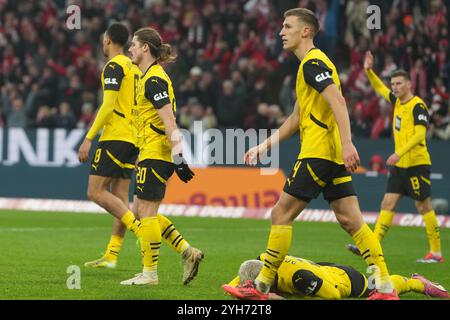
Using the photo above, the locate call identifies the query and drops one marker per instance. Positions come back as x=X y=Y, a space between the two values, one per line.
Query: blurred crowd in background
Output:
x=231 y=70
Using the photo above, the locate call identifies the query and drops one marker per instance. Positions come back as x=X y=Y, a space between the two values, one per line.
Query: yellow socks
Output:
x=404 y=285
x=171 y=235
x=131 y=222
x=371 y=251
x=280 y=238
x=113 y=249
x=384 y=221
x=150 y=242
x=432 y=228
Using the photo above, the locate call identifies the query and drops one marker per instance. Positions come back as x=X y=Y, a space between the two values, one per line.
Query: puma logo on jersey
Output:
x=315 y=62
x=111 y=81
x=141 y=189
x=160 y=96
x=94 y=166
x=323 y=76
x=154 y=80
x=112 y=66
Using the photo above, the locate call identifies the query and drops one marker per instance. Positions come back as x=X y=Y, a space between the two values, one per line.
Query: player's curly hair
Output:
x=249 y=270
x=161 y=51
x=118 y=33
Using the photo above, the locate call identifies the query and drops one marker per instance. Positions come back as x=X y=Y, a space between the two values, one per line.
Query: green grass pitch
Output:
x=36 y=248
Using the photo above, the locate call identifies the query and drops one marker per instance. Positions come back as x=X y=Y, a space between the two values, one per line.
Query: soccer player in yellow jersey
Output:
x=113 y=162
x=303 y=278
x=410 y=163
x=320 y=114
x=159 y=142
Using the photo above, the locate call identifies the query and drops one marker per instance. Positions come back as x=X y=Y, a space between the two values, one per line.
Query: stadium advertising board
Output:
x=235 y=187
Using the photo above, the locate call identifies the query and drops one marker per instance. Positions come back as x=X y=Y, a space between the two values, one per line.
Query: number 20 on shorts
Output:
x=141 y=175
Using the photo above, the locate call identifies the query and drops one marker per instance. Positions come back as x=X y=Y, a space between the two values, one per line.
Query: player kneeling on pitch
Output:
x=303 y=278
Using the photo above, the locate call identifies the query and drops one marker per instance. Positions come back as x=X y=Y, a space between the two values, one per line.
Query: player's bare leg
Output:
x=384 y=221
x=98 y=192
x=119 y=188
x=432 y=228
x=349 y=217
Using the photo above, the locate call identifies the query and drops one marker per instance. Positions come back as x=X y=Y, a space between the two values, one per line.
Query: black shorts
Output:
x=114 y=159
x=413 y=182
x=358 y=280
x=311 y=176
x=151 y=179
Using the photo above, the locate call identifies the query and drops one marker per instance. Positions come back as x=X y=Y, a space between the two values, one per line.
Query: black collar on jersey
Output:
x=406 y=101
x=154 y=63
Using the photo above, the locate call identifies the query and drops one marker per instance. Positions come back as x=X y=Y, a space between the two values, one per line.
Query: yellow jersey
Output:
x=327 y=281
x=155 y=90
x=406 y=117
x=120 y=74
x=319 y=132
x=306 y=279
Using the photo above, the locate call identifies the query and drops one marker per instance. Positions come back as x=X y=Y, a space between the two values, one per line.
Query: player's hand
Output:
x=393 y=159
x=251 y=156
x=83 y=152
x=181 y=168
x=368 y=61
x=350 y=157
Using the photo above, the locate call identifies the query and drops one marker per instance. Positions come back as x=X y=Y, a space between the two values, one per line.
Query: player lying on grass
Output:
x=303 y=278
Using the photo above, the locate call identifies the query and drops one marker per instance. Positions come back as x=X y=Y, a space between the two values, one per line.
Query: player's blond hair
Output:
x=161 y=51
x=306 y=16
x=249 y=270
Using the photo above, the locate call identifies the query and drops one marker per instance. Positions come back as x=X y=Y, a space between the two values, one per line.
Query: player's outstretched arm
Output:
x=376 y=82
x=287 y=129
x=173 y=134
x=333 y=96
x=104 y=113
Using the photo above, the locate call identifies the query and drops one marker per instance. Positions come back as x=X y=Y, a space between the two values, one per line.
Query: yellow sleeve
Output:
x=379 y=86
x=104 y=113
x=328 y=291
x=419 y=136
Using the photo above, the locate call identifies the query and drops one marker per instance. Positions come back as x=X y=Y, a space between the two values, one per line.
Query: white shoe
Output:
x=150 y=278
x=191 y=260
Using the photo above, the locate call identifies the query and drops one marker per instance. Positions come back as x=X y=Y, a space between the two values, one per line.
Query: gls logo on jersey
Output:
x=111 y=81
x=323 y=76
x=160 y=96
x=312 y=286
x=422 y=117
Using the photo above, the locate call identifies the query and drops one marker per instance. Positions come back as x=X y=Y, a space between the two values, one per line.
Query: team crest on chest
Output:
x=398 y=122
